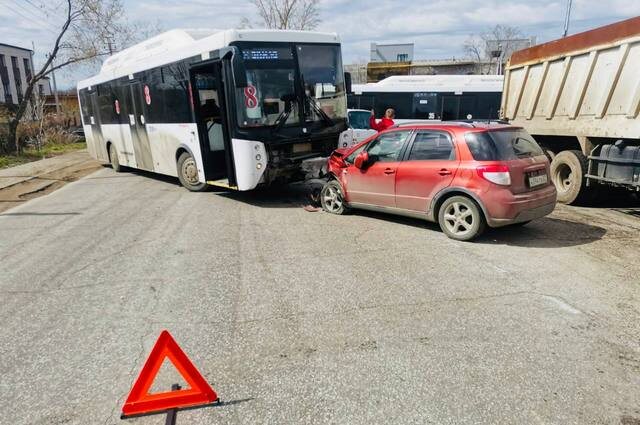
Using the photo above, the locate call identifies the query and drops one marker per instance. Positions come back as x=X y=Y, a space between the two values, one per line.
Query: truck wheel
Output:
x=113 y=159
x=188 y=173
x=568 y=169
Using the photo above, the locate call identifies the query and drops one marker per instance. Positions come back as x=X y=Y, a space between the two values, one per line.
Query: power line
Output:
x=44 y=10
x=32 y=17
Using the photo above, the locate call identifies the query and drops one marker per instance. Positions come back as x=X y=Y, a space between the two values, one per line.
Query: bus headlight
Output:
x=258 y=157
x=258 y=166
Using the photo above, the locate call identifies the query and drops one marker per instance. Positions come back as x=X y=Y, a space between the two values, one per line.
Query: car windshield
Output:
x=271 y=85
x=502 y=145
x=359 y=120
x=323 y=80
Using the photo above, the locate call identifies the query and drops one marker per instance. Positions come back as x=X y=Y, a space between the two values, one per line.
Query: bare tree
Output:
x=484 y=47
x=286 y=14
x=86 y=33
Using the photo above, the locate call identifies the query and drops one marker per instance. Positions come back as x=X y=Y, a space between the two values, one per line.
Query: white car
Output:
x=359 y=130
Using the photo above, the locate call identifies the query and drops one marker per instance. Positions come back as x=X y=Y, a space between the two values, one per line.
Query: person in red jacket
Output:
x=385 y=122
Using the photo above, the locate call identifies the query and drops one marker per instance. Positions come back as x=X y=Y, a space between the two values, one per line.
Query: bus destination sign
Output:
x=266 y=54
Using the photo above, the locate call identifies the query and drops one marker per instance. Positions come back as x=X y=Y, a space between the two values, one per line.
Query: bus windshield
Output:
x=323 y=80
x=275 y=77
x=271 y=84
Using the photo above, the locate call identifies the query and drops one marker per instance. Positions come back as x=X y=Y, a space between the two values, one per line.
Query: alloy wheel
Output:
x=459 y=219
x=333 y=199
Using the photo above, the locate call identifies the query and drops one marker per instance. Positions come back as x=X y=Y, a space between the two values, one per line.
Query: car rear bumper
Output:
x=512 y=209
x=527 y=215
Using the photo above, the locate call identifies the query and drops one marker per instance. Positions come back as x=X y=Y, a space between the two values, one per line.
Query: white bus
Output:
x=235 y=108
x=432 y=97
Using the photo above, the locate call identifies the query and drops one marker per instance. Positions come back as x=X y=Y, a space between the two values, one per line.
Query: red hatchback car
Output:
x=464 y=176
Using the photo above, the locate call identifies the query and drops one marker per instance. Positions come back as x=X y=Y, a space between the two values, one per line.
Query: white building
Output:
x=391 y=52
x=16 y=68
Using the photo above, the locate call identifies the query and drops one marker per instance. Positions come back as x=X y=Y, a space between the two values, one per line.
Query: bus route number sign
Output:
x=147 y=95
x=250 y=99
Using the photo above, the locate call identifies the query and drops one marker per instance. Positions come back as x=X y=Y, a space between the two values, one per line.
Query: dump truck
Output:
x=579 y=97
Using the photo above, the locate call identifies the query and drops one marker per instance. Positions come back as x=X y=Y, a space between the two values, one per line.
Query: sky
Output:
x=438 y=28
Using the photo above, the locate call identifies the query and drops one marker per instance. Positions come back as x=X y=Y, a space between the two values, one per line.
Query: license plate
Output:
x=302 y=147
x=538 y=180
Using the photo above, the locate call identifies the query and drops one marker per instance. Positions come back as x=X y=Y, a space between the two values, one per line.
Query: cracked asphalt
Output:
x=305 y=317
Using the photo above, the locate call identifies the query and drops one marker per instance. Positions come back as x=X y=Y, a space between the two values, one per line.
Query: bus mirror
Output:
x=239 y=71
x=347 y=82
x=237 y=66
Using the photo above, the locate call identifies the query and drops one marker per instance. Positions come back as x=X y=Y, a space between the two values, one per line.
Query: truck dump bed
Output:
x=586 y=85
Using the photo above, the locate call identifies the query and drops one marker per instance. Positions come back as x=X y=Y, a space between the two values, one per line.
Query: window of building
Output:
x=27 y=68
x=403 y=57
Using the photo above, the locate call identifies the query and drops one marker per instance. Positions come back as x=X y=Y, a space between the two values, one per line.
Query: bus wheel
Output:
x=188 y=173
x=113 y=159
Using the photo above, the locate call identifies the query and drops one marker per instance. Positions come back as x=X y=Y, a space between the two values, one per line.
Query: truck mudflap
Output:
x=617 y=164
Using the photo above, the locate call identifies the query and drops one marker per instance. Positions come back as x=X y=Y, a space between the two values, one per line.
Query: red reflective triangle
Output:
x=140 y=402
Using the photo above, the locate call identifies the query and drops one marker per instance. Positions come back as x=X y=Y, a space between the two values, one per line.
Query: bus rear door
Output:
x=139 y=95
x=96 y=127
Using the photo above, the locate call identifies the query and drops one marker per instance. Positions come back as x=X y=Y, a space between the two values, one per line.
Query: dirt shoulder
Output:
x=28 y=181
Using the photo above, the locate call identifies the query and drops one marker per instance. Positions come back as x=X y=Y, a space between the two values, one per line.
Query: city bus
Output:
x=235 y=108
x=432 y=97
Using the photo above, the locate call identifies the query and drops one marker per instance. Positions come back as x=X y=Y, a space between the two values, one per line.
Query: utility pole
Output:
x=567 y=18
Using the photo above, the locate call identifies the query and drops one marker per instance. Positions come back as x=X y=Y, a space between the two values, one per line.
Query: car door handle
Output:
x=445 y=172
x=389 y=171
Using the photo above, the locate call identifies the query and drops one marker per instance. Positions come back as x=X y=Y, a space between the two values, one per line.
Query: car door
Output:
x=375 y=184
x=430 y=165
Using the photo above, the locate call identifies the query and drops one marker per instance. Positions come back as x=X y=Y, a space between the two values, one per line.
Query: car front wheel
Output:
x=460 y=218
x=332 y=198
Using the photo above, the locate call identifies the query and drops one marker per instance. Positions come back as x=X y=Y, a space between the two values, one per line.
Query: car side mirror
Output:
x=361 y=161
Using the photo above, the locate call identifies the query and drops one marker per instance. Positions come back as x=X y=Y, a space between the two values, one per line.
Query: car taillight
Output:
x=498 y=174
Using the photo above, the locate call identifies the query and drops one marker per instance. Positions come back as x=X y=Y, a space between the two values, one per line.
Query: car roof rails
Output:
x=480 y=121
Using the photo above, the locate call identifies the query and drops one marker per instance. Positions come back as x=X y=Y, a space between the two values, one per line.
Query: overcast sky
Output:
x=438 y=28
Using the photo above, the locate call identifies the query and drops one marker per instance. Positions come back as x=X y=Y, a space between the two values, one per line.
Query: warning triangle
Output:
x=140 y=402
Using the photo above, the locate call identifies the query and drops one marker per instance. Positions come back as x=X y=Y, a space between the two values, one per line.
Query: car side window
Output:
x=432 y=146
x=387 y=147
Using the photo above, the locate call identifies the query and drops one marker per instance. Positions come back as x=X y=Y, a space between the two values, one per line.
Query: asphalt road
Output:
x=305 y=317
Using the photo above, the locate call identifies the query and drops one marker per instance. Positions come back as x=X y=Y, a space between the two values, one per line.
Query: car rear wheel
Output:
x=460 y=218
x=188 y=173
x=332 y=198
x=113 y=159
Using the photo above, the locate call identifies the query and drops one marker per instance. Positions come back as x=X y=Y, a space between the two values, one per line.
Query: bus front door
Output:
x=211 y=117
x=137 y=123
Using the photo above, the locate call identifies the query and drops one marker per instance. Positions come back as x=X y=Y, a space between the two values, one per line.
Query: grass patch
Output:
x=47 y=151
